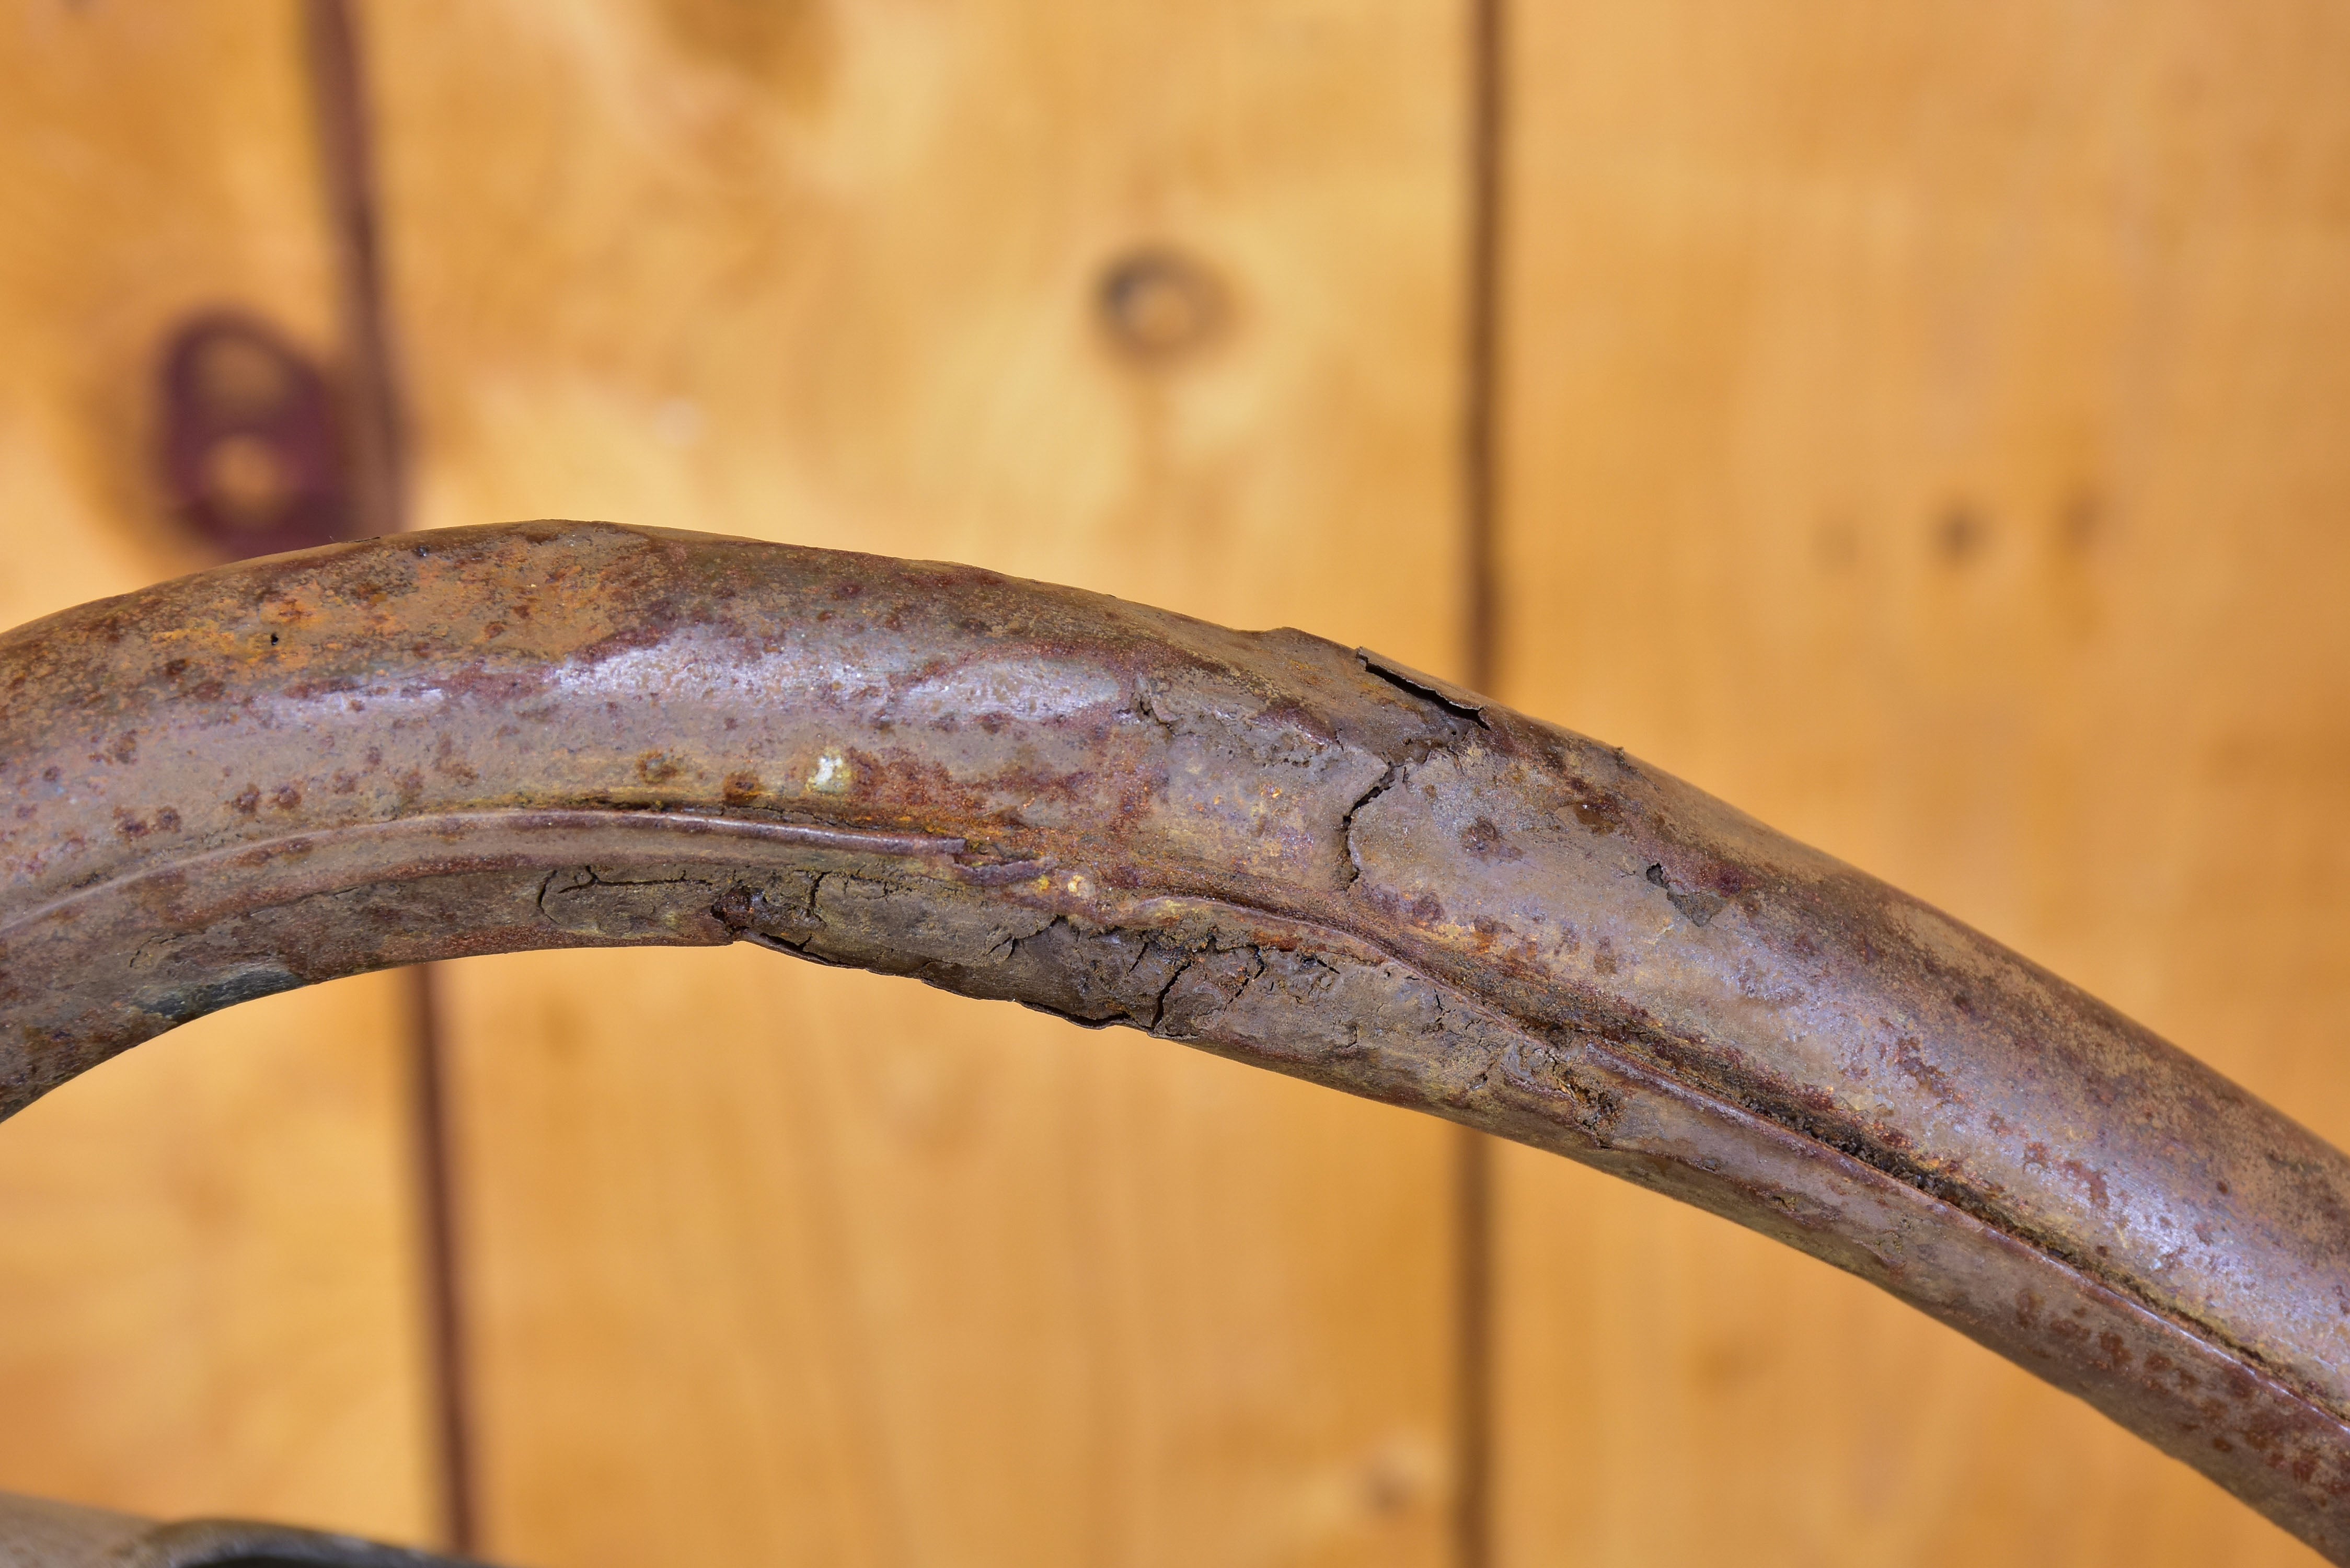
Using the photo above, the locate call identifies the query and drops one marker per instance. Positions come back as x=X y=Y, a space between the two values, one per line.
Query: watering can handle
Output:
x=1298 y=855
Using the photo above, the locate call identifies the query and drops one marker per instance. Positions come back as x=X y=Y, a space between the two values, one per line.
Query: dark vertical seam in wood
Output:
x=375 y=448
x=1480 y=435
x=1473 y=1365
x=1480 y=480
x=444 y=1298
x=370 y=388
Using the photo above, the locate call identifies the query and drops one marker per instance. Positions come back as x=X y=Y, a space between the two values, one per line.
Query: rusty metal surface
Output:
x=35 y=1533
x=1263 y=844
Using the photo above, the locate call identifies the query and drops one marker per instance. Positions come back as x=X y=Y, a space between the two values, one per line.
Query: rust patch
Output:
x=1151 y=821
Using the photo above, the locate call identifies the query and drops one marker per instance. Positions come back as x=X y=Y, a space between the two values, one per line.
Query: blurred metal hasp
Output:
x=253 y=456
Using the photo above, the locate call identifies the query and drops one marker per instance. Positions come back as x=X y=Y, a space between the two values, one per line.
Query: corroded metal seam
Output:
x=1320 y=862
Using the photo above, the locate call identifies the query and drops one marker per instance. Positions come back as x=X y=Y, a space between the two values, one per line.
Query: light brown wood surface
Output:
x=208 y=1295
x=766 y=1263
x=1924 y=426
x=1927 y=427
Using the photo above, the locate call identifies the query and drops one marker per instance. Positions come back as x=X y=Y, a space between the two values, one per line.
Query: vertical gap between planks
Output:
x=1481 y=346
x=1473 y=1366
x=375 y=450
x=1480 y=481
x=370 y=390
x=436 y=1197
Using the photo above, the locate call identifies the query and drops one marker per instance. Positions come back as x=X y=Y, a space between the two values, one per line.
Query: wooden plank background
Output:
x=1927 y=427
x=207 y=1263
x=766 y=1263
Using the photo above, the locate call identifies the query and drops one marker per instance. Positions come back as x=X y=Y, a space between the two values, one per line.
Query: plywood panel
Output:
x=767 y=1263
x=1924 y=428
x=208 y=1258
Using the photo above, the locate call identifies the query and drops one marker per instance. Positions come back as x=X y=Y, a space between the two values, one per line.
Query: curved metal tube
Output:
x=35 y=1533
x=557 y=734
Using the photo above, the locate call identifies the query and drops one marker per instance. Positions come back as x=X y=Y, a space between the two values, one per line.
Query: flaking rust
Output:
x=1305 y=857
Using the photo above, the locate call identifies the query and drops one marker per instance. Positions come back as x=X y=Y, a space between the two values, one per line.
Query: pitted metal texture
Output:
x=1265 y=845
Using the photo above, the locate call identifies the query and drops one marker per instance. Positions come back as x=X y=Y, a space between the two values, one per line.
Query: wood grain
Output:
x=208 y=1260
x=767 y=1263
x=1924 y=429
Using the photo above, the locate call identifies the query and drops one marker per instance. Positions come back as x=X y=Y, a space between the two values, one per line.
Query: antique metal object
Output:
x=1284 y=851
x=35 y=1533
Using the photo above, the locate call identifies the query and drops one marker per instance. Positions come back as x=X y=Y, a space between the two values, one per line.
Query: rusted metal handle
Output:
x=1310 y=858
x=35 y=1533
